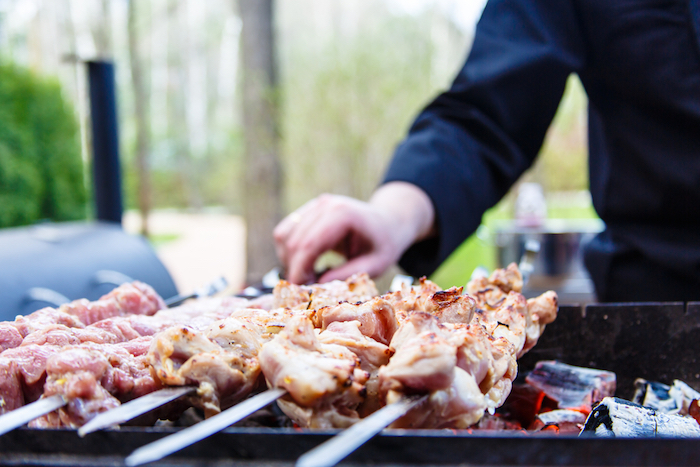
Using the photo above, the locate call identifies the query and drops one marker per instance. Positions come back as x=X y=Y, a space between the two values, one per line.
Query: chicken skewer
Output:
x=424 y=362
x=296 y=304
x=186 y=358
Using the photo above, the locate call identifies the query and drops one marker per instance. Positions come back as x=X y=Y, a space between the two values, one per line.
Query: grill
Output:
x=655 y=341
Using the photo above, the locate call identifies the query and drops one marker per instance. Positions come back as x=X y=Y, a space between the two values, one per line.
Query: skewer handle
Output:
x=340 y=446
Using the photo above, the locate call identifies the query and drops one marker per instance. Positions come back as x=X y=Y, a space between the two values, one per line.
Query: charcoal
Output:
x=570 y=386
x=675 y=399
x=615 y=418
x=565 y=420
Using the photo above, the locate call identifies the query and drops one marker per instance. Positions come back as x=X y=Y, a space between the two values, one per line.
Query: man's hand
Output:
x=371 y=235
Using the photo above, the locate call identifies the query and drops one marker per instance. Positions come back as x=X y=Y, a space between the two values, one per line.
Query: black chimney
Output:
x=106 y=172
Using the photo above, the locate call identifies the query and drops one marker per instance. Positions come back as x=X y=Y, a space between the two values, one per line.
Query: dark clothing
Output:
x=639 y=61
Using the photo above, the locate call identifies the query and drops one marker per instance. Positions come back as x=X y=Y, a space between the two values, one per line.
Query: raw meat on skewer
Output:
x=23 y=369
x=133 y=298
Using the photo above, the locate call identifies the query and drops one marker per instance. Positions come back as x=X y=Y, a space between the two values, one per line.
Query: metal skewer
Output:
x=29 y=412
x=134 y=408
x=215 y=287
x=340 y=446
x=180 y=440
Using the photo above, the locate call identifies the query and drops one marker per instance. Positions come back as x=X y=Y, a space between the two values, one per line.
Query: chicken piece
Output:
x=221 y=361
x=542 y=310
x=372 y=354
x=509 y=279
x=509 y=320
x=424 y=358
x=426 y=362
x=357 y=288
x=376 y=317
x=491 y=292
x=95 y=378
x=490 y=360
x=324 y=381
x=450 y=306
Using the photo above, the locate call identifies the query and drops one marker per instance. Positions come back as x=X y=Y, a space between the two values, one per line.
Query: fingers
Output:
x=290 y=223
x=365 y=234
x=316 y=227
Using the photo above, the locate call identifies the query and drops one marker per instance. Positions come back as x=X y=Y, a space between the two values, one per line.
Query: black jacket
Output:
x=639 y=61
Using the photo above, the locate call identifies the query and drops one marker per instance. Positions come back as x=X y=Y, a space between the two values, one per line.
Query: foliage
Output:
x=41 y=173
x=346 y=106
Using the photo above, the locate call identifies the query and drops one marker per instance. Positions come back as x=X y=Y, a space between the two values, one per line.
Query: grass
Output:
x=158 y=240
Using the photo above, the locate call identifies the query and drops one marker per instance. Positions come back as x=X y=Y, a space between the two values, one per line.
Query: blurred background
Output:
x=233 y=113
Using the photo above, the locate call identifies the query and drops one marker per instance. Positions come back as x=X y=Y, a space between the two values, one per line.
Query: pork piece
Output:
x=22 y=382
x=11 y=394
x=221 y=360
x=376 y=317
x=450 y=306
x=134 y=298
x=357 y=288
x=325 y=381
x=96 y=378
x=9 y=337
x=22 y=375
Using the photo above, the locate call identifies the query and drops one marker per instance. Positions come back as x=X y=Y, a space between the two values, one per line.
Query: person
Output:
x=640 y=65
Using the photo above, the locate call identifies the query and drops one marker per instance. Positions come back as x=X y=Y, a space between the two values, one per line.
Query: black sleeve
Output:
x=473 y=141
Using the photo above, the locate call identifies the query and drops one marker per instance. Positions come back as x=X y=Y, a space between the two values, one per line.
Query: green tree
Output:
x=41 y=171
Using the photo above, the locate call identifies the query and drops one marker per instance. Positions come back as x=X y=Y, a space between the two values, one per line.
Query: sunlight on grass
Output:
x=159 y=240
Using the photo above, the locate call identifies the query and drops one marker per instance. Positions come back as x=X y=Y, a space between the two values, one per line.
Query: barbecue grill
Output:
x=655 y=341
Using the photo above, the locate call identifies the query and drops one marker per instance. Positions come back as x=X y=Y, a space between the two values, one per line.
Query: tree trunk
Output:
x=262 y=169
x=143 y=133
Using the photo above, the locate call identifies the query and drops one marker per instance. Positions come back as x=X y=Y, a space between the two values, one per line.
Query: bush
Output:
x=41 y=171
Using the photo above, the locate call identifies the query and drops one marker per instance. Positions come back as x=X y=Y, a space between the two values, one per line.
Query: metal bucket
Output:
x=559 y=263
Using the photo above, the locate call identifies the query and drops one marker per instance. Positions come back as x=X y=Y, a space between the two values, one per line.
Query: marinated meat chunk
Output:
x=324 y=381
